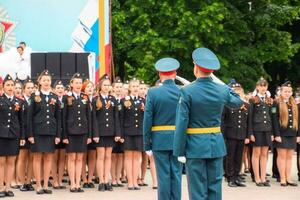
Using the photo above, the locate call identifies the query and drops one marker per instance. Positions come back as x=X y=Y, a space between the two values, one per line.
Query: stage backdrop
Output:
x=56 y=26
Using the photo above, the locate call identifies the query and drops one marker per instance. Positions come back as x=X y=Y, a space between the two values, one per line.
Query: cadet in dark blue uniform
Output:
x=285 y=114
x=89 y=158
x=198 y=136
x=59 y=158
x=107 y=131
x=44 y=124
x=77 y=130
x=159 y=126
x=234 y=124
x=131 y=117
x=118 y=152
x=260 y=131
x=11 y=134
x=24 y=169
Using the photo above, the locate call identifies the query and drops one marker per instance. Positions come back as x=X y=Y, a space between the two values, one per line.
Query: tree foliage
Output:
x=246 y=41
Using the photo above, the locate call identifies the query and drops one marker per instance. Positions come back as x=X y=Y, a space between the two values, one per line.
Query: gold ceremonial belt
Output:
x=203 y=130
x=163 y=128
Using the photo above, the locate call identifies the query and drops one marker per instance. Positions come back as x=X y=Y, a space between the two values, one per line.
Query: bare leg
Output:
x=78 y=165
x=107 y=164
x=119 y=166
x=91 y=164
x=129 y=167
x=2 y=169
x=289 y=157
x=263 y=163
x=47 y=168
x=54 y=168
x=136 y=166
x=71 y=169
x=21 y=165
x=100 y=163
x=114 y=168
x=255 y=163
x=10 y=169
x=37 y=162
x=281 y=162
x=61 y=165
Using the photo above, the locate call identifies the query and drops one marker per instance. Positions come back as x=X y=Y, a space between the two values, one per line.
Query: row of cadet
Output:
x=99 y=128
x=261 y=124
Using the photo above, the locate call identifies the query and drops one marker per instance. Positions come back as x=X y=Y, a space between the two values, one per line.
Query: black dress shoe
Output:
x=154 y=188
x=73 y=190
x=91 y=185
x=123 y=181
x=130 y=188
x=9 y=194
x=80 y=190
x=240 y=184
x=108 y=187
x=101 y=187
x=2 y=194
x=266 y=184
x=275 y=176
x=136 y=188
x=62 y=187
x=86 y=185
x=232 y=184
x=24 y=188
x=30 y=187
x=292 y=184
x=47 y=191
x=41 y=191
x=239 y=179
x=96 y=180
x=114 y=185
x=120 y=185
x=283 y=184
x=259 y=184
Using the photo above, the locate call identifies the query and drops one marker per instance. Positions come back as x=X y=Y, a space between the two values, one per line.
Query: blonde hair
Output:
x=283 y=112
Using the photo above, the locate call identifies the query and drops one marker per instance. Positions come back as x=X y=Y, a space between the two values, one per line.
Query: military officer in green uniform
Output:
x=159 y=127
x=198 y=139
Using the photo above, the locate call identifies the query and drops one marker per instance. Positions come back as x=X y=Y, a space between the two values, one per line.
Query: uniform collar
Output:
x=9 y=97
x=204 y=79
x=45 y=92
x=76 y=95
x=26 y=98
x=168 y=82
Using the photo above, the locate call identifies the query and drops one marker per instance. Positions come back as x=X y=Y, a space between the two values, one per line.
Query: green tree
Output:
x=244 y=39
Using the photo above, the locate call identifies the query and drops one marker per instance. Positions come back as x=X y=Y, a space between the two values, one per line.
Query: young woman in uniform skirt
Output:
x=44 y=124
x=131 y=116
x=77 y=130
x=24 y=169
x=59 y=158
x=260 y=131
x=118 y=151
x=11 y=134
x=89 y=158
x=286 y=130
x=106 y=130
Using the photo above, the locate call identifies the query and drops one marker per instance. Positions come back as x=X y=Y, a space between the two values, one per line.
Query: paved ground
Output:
x=251 y=192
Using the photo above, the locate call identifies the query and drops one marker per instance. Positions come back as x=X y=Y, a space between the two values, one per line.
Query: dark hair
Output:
x=22 y=43
x=19 y=47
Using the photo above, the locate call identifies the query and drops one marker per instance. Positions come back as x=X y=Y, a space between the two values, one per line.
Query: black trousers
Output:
x=234 y=158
